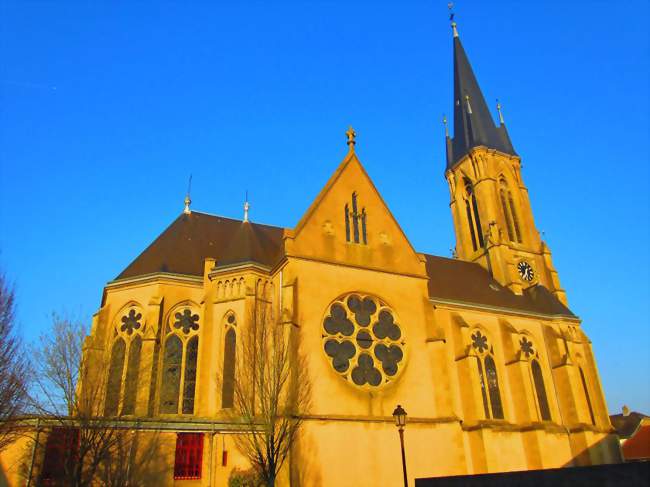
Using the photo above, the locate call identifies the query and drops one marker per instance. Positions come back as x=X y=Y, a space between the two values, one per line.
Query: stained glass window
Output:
x=540 y=390
x=189 y=384
x=493 y=387
x=171 y=375
x=363 y=340
x=228 y=386
x=133 y=368
x=114 y=383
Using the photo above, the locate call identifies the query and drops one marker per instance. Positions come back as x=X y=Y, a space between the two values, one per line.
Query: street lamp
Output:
x=400 y=421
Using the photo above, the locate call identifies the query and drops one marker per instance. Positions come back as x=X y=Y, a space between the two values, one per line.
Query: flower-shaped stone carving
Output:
x=131 y=322
x=338 y=321
x=365 y=372
x=363 y=309
x=363 y=340
x=479 y=342
x=527 y=347
x=389 y=357
x=186 y=320
x=341 y=354
x=386 y=327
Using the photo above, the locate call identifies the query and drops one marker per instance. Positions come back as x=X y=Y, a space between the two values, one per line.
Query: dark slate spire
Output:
x=473 y=123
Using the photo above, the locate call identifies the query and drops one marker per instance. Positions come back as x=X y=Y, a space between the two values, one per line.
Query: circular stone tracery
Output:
x=363 y=340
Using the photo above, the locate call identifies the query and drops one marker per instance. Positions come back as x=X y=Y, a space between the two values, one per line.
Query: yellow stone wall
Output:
x=348 y=437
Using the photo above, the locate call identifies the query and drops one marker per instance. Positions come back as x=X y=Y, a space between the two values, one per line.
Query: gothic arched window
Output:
x=114 y=383
x=473 y=218
x=132 y=372
x=171 y=375
x=180 y=362
x=121 y=388
x=229 y=356
x=587 y=398
x=488 y=376
x=540 y=390
x=357 y=233
x=509 y=212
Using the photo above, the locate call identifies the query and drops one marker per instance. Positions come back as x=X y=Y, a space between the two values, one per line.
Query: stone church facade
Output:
x=482 y=350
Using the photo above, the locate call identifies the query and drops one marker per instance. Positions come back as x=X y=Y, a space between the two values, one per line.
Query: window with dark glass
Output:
x=473 y=218
x=540 y=390
x=588 y=399
x=61 y=455
x=488 y=378
x=481 y=378
x=114 y=383
x=228 y=386
x=493 y=387
x=171 y=375
x=131 y=381
x=355 y=222
x=189 y=384
x=189 y=456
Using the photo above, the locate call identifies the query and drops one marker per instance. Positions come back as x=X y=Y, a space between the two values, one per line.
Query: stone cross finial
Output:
x=351 y=134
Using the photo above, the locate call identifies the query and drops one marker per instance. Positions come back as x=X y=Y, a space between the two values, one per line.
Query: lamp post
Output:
x=400 y=421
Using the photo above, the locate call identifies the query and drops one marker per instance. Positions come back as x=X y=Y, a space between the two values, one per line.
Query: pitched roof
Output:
x=457 y=280
x=183 y=246
x=473 y=122
x=638 y=446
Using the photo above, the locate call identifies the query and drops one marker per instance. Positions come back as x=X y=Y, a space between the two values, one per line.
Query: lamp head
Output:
x=400 y=416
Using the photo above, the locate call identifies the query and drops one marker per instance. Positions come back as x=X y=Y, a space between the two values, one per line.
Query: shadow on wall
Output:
x=610 y=475
x=133 y=459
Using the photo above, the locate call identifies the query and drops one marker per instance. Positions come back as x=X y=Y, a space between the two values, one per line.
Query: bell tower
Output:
x=493 y=219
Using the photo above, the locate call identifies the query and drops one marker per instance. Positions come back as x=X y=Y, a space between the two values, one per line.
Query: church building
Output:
x=481 y=350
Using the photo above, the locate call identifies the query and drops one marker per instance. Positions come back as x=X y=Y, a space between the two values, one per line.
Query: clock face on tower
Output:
x=525 y=271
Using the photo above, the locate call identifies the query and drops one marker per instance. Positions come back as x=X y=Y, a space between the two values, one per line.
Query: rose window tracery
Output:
x=131 y=322
x=186 y=321
x=363 y=340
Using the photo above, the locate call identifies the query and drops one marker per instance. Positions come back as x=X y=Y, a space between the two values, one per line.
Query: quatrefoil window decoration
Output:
x=363 y=340
x=186 y=320
x=131 y=321
x=479 y=342
x=527 y=347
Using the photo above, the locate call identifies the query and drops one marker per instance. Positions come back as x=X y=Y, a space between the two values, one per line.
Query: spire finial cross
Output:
x=501 y=121
x=246 y=207
x=450 y=6
x=351 y=135
x=188 y=200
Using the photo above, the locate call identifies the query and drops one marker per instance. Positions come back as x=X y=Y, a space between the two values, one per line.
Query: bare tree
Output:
x=271 y=389
x=13 y=368
x=70 y=385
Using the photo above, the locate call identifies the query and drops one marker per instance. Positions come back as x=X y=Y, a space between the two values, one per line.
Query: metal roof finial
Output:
x=188 y=200
x=469 y=107
x=450 y=6
x=444 y=122
x=246 y=207
x=500 y=114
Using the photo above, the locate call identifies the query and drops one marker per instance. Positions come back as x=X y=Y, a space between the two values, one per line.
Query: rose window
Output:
x=363 y=340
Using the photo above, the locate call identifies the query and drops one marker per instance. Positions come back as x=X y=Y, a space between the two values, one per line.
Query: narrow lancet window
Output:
x=493 y=387
x=506 y=212
x=189 y=382
x=347 y=223
x=114 y=383
x=515 y=221
x=540 y=390
x=171 y=375
x=473 y=219
x=131 y=384
x=588 y=399
x=355 y=218
x=481 y=378
x=228 y=387
x=363 y=226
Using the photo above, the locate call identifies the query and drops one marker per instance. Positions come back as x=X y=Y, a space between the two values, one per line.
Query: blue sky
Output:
x=107 y=107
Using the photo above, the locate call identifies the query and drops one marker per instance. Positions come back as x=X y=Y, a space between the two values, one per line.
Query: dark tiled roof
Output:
x=475 y=128
x=191 y=238
x=457 y=280
x=183 y=246
x=625 y=426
